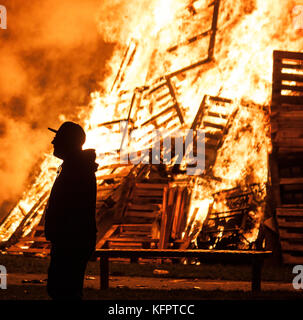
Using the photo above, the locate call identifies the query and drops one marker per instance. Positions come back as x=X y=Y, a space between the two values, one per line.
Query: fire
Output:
x=247 y=34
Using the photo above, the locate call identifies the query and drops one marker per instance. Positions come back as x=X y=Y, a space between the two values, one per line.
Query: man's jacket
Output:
x=70 y=213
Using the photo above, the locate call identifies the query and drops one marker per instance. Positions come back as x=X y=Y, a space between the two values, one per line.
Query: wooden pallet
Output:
x=196 y=58
x=138 y=219
x=286 y=160
x=287 y=102
x=287 y=128
x=32 y=244
x=214 y=117
x=290 y=221
x=161 y=112
x=230 y=217
x=174 y=216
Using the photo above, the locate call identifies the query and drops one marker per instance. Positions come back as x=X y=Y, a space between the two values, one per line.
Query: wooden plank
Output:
x=29 y=250
x=220 y=99
x=115 y=166
x=288 y=246
x=163 y=94
x=108 y=234
x=198 y=253
x=109 y=123
x=214 y=135
x=289 y=133
x=288 y=99
x=141 y=214
x=144 y=207
x=286 y=107
x=290 y=259
x=279 y=54
x=187 y=68
x=288 y=77
x=199 y=115
x=126 y=61
x=184 y=214
x=217 y=115
x=293 y=114
x=132 y=244
x=213 y=28
x=298 y=180
x=226 y=214
x=214 y=120
x=289 y=88
x=135 y=234
x=292 y=212
x=176 y=105
x=213 y=125
x=297 y=65
x=289 y=224
x=156 y=87
x=143 y=225
x=288 y=123
x=176 y=213
x=167 y=123
x=287 y=235
x=132 y=239
x=170 y=215
x=163 y=217
x=295 y=206
x=151 y=185
x=158 y=115
x=150 y=193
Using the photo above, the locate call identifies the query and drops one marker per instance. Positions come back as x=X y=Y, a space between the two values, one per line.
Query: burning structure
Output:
x=209 y=66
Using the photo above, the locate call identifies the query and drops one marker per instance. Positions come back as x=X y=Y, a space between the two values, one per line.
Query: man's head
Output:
x=69 y=138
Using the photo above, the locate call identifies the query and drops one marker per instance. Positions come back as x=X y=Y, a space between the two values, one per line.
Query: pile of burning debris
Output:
x=149 y=194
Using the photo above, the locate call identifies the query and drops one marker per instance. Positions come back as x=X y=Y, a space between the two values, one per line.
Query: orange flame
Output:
x=248 y=32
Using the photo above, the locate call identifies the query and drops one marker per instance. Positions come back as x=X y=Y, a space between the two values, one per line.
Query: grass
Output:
x=21 y=264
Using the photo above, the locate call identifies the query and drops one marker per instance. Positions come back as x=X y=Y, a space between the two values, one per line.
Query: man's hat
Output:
x=70 y=132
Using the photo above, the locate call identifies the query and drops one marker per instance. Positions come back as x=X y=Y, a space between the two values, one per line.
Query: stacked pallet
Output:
x=152 y=106
x=138 y=218
x=286 y=160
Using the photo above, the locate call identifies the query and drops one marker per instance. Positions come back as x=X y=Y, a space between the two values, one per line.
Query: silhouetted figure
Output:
x=70 y=223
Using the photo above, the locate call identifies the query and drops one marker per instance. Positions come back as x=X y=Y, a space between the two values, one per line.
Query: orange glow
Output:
x=248 y=32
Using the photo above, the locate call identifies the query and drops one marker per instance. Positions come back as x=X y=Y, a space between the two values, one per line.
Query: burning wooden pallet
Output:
x=160 y=100
x=207 y=11
x=214 y=117
x=286 y=160
x=231 y=217
x=140 y=210
x=174 y=216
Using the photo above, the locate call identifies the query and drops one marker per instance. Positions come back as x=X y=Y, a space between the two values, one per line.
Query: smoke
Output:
x=52 y=56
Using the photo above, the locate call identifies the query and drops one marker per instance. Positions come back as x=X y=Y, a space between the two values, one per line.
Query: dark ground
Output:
x=27 y=281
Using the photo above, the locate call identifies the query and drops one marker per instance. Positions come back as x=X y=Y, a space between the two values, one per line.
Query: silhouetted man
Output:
x=70 y=223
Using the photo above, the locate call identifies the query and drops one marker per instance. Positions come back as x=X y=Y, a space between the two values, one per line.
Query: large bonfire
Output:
x=167 y=36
